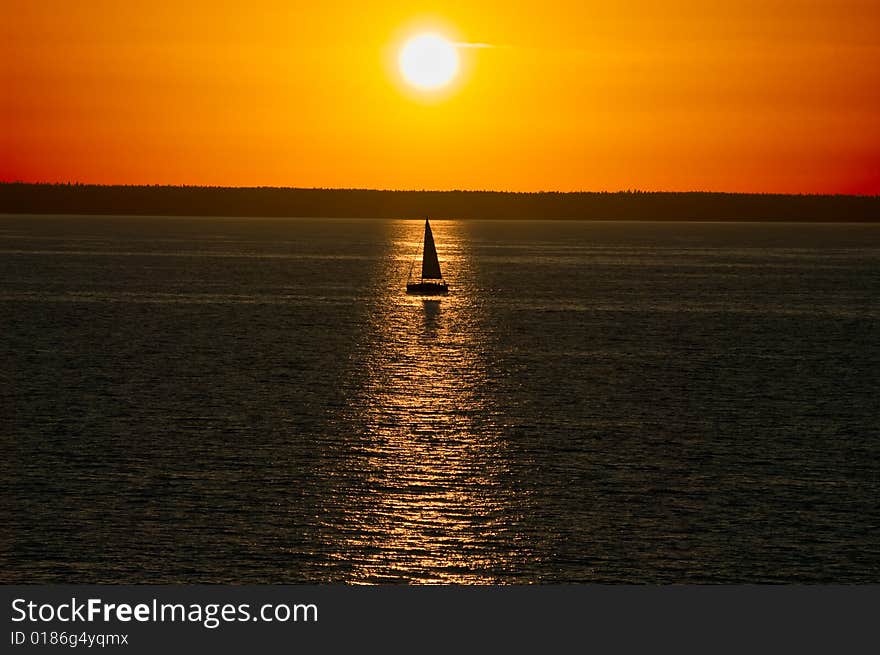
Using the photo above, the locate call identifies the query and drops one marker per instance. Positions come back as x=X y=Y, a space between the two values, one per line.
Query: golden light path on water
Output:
x=432 y=501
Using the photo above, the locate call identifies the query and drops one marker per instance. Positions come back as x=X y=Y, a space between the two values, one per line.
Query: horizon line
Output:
x=633 y=191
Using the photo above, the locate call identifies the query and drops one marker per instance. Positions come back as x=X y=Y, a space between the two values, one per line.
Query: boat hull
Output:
x=428 y=288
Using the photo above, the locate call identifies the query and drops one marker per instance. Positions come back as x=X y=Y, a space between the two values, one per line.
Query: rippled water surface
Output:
x=255 y=400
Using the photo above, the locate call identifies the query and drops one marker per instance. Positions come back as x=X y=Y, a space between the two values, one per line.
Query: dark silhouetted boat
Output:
x=431 y=283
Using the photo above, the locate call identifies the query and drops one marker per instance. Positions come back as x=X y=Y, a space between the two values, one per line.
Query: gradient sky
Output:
x=751 y=95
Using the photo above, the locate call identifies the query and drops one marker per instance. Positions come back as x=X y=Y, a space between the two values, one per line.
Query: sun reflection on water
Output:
x=427 y=488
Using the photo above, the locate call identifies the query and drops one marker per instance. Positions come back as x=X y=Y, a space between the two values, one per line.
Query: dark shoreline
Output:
x=22 y=198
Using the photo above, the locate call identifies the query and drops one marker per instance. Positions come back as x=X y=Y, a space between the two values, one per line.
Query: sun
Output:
x=428 y=61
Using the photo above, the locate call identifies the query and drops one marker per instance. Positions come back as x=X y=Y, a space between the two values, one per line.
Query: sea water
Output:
x=258 y=400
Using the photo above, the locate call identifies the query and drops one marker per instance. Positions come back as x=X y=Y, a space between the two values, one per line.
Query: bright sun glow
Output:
x=428 y=61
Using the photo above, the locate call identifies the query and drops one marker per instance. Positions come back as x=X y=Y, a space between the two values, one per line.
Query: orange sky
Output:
x=752 y=95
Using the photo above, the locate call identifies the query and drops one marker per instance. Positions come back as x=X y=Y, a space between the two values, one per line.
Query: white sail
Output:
x=430 y=263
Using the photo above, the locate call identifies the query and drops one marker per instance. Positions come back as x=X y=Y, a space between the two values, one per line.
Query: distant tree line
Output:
x=21 y=198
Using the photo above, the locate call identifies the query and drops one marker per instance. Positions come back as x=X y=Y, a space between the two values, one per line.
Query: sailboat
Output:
x=431 y=283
